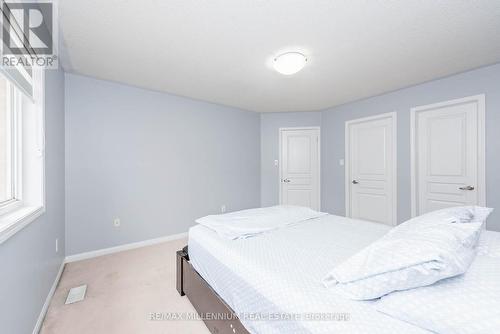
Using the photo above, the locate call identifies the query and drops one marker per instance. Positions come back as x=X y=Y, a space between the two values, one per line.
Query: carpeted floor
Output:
x=124 y=289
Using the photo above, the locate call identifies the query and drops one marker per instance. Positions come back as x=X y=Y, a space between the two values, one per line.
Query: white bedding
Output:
x=465 y=304
x=279 y=273
x=248 y=223
x=411 y=255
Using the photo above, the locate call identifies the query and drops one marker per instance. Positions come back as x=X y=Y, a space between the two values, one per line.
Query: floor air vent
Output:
x=76 y=294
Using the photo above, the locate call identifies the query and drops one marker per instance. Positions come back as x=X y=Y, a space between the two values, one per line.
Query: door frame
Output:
x=480 y=99
x=347 y=186
x=280 y=131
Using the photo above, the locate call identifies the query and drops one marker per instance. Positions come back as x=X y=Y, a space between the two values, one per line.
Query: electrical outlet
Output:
x=223 y=208
x=57 y=245
x=117 y=222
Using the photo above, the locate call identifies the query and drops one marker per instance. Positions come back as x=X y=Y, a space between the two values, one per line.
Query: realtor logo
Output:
x=29 y=34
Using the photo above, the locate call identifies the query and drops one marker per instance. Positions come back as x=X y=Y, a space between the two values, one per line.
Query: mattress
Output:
x=273 y=281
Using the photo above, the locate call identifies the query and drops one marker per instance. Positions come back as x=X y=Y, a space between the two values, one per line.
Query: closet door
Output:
x=371 y=169
x=300 y=167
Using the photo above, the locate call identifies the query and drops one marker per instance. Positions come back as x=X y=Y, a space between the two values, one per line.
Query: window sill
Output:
x=16 y=220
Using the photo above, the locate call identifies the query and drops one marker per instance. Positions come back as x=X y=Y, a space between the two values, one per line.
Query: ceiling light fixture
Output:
x=290 y=62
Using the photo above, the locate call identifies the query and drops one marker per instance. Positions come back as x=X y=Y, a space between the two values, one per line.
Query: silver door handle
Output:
x=286 y=180
x=354 y=182
x=467 y=188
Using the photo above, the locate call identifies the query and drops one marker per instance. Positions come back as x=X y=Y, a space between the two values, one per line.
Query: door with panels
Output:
x=448 y=155
x=300 y=167
x=371 y=169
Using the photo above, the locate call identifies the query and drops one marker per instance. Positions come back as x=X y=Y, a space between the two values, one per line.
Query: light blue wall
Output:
x=158 y=161
x=270 y=124
x=28 y=261
x=484 y=80
x=154 y=160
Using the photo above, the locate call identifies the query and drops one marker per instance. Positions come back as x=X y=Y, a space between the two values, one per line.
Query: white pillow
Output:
x=247 y=223
x=480 y=214
x=411 y=255
x=464 y=304
x=457 y=214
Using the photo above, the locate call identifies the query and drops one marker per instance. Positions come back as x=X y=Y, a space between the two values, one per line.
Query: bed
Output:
x=272 y=283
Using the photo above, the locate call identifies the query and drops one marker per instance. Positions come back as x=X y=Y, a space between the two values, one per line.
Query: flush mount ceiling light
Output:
x=290 y=62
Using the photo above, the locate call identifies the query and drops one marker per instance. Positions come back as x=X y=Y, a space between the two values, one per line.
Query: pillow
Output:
x=411 y=255
x=457 y=214
x=468 y=303
x=480 y=214
x=247 y=223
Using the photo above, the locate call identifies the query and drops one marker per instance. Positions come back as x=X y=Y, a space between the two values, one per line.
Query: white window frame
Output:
x=28 y=201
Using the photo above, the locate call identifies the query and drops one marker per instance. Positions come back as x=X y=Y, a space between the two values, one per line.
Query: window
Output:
x=7 y=144
x=21 y=153
x=6 y=191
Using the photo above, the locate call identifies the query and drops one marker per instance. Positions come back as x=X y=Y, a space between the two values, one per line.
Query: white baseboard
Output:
x=111 y=250
x=45 y=307
x=92 y=254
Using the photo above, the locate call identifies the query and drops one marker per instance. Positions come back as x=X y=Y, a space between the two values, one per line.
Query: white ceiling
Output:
x=220 y=50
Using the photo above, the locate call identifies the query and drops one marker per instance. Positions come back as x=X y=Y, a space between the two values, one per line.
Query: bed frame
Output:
x=217 y=315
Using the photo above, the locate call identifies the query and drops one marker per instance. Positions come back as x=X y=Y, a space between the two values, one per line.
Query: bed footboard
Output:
x=217 y=315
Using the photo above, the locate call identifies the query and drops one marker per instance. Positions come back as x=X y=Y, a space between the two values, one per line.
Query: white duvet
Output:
x=411 y=255
x=465 y=304
x=247 y=223
x=280 y=272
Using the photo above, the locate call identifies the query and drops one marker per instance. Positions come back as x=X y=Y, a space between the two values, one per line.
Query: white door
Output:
x=299 y=168
x=448 y=154
x=371 y=169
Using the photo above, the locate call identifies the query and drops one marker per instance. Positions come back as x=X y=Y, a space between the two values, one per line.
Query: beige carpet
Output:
x=123 y=290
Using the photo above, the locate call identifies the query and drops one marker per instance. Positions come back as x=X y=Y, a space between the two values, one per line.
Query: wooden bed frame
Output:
x=217 y=315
